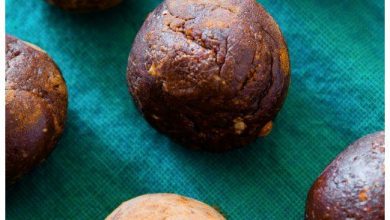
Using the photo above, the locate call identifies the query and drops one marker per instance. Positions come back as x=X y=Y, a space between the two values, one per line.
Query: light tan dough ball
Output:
x=164 y=206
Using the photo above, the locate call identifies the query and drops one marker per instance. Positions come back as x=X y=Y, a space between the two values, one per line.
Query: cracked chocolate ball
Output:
x=164 y=206
x=210 y=74
x=85 y=5
x=352 y=186
x=36 y=105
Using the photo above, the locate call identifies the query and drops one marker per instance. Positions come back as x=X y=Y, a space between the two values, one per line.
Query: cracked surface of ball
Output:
x=210 y=74
x=36 y=106
x=352 y=186
x=164 y=206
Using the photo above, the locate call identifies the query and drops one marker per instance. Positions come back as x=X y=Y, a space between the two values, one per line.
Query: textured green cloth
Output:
x=109 y=154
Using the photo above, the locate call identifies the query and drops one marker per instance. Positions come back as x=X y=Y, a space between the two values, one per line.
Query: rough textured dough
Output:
x=36 y=105
x=85 y=5
x=164 y=206
x=210 y=74
x=352 y=186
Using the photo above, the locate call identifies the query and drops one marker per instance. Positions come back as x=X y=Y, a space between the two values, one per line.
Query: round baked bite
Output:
x=85 y=5
x=36 y=106
x=352 y=186
x=210 y=74
x=164 y=206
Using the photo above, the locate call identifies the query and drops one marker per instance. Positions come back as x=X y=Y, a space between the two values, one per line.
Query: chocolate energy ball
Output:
x=210 y=74
x=85 y=5
x=164 y=206
x=36 y=105
x=352 y=186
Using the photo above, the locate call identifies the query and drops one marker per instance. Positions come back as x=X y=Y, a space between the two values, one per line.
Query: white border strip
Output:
x=2 y=108
x=387 y=116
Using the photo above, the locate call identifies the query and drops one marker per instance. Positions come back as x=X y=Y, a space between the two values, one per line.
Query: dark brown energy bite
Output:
x=352 y=186
x=210 y=74
x=36 y=106
x=85 y=5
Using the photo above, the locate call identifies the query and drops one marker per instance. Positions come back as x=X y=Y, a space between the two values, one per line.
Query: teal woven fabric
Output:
x=109 y=153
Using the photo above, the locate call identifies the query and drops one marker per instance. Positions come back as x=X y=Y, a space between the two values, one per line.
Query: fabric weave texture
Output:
x=109 y=153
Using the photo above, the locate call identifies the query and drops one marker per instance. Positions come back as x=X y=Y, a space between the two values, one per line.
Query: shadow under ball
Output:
x=84 y=5
x=210 y=74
